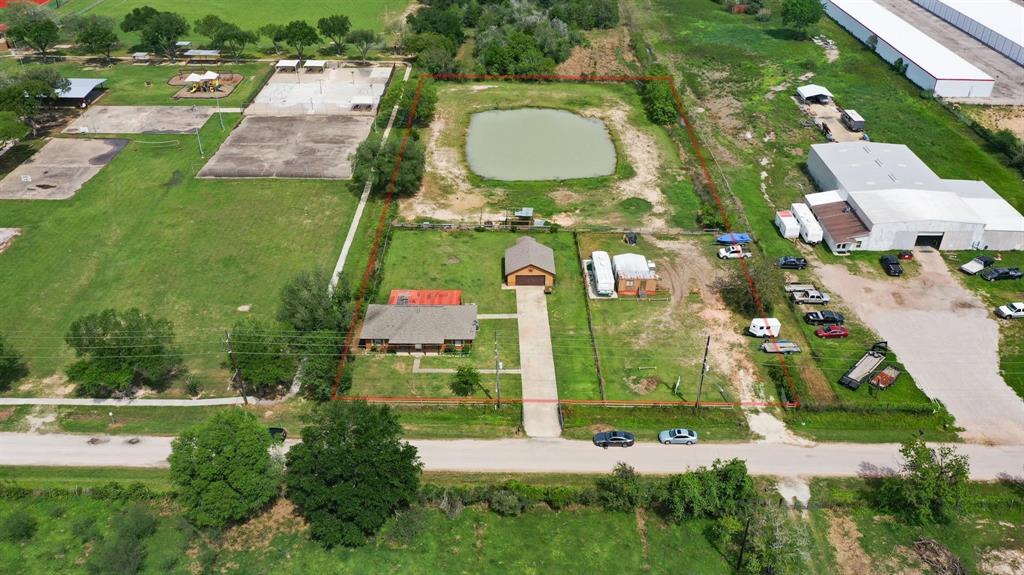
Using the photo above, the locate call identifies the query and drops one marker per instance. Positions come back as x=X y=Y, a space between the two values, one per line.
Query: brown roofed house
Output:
x=418 y=328
x=530 y=263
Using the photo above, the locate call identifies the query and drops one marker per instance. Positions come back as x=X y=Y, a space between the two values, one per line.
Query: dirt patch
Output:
x=937 y=556
x=642 y=152
x=844 y=537
x=725 y=111
x=1002 y=562
x=40 y=418
x=829 y=46
x=453 y=260
x=6 y=413
x=258 y=532
x=7 y=236
x=565 y=196
x=1002 y=118
x=643 y=385
x=821 y=392
x=608 y=53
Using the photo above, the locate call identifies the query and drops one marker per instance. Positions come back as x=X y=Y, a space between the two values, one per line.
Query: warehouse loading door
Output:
x=928 y=241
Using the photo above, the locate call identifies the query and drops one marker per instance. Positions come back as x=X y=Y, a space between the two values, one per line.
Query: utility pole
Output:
x=703 y=370
x=235 y=375
x=497 y=371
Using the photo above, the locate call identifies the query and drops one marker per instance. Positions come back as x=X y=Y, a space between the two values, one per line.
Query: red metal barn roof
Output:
x=425 y=297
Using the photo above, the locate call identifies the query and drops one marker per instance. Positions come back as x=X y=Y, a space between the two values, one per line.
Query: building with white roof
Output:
x=999 y=24
x=634 y=275
x=930 y=65
x=883 y=197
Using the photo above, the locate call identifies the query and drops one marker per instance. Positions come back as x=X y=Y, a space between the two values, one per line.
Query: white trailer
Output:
x=787 y=223
x=810 y=229
x=604 y=279
x=765 y=327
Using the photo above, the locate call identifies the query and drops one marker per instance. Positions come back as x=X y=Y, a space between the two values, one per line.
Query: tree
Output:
x=308 y=305
x=97 y=35
x=709 y=493
x=768 y=544
x=321 y=353
x=25 y=92
x=123 y=552
x=162 y=32
x=446 y=22
x=32 y=26
x=274 y=33
x=623 y=490
x=299 y=35
x=369 y=164
x=222 y=468
x=426 y=103
x=931 y=485
x=335 y=28
x=735 y=288
x=12 y=367
x=434 y=52
x=801 y=14
x=137 y=19
x=120 y=351
x=261 y=353
x=364 y=41
x=465 y=381
x=351 y=472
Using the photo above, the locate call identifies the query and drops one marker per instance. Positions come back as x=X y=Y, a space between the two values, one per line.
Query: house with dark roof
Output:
x=530 y=263
x=418 y=328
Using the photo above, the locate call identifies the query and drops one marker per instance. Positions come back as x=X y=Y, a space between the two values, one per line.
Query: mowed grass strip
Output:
x=146 y=233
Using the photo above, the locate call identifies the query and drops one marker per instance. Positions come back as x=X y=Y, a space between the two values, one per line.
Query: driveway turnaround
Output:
x=542 y=456
x=947 y=339
x=537 y=362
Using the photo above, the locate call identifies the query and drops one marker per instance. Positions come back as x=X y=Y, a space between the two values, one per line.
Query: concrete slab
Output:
x=7 y=236
x=59 y=169
x=537 y=362
x=140 y=120
x=290 y=147
x=316 y=93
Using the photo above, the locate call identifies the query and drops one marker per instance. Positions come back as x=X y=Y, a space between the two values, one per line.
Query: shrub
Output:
x=763 y=15
x=408 y=525
x=124 y=552
x=84 y=528
x=451 y=503
x=623 y=490
x=19 y=526
x=505 y=502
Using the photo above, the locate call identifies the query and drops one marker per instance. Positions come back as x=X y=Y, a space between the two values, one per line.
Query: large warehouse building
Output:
x=883 y=197
x=930 y=65
x=999 y=24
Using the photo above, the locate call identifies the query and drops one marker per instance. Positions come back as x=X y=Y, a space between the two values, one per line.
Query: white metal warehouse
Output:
x=930 y=65
x=999 y=24
x=883 y=197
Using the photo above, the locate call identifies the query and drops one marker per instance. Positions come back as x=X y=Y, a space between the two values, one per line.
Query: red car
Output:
x=832 y=331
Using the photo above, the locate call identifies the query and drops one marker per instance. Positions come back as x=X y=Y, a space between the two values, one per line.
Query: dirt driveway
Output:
x=947 y=339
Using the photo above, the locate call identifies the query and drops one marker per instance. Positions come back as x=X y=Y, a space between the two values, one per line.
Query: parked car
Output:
x=811 y=296
x=1013 y=310
x=824 y=318
x=278 y=433
x=906 y=255
x=791 y=263
x=608 y=439
x=832 y=332
x=734 y=253
x=891 y=266
x=678 y=436
x=977 y=264
x=995 y=274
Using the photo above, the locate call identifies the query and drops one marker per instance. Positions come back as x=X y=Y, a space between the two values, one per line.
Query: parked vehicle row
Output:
x=996 y=274
x=676 y=436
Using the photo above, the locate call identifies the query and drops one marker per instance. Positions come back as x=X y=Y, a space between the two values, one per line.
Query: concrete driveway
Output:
x=537 y=364
x=946 y=337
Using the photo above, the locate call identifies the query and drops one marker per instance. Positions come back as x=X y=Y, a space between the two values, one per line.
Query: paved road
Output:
x=537 y=363
x=946 y=337
x=544 y=456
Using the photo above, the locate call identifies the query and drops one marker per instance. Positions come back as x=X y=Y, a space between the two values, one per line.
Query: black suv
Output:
x=993 y=274
x=891 y=265
x=791 y=263
x=824 y=318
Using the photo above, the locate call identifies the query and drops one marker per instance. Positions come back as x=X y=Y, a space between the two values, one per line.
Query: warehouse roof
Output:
x=914 y=45
x=997 y=213
x=840 y=221
x=528 y=252
x=80 y=87
x=419 y=324
x=875 y=166
x=1003 y=17
x=907 y=205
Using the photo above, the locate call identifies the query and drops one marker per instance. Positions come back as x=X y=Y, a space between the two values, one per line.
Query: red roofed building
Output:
x=425 y=297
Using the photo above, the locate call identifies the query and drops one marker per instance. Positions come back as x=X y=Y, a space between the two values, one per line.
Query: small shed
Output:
x=787 y=224
x=81 y=91
x=206 y=56
x=522 y=217
x=814 y=94
x=314 y=65
x=634 y=275
x=287 y=66
x=530 y=263
x=141 y=58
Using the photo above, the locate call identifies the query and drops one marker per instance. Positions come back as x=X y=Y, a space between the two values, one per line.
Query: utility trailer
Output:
x=783 y=346
x=865 y=366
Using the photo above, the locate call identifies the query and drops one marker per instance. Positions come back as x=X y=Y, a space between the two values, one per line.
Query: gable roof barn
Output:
x=529 y=252
x=419 y=324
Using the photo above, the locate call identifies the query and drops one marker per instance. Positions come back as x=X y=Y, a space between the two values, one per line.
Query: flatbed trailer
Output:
x=865 y=366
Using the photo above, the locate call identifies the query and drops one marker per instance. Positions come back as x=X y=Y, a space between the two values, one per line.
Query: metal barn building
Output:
x=930 y=65
x=999 y=24
x=883 y=197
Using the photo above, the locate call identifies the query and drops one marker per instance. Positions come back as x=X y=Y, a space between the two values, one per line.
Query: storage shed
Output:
x=929 y=64
x=999 y=24
x=604 y=279
x=634 y=275
x=787 y=224
x=530 y=263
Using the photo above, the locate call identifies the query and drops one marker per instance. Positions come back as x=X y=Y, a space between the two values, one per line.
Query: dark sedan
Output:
x=791 y=263
x=824 y=317
x=608 y=439
x=995 y=274
x=891 y=265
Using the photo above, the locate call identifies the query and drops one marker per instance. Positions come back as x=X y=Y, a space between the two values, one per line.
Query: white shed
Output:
x=787 y=223
x=810 y=229
x=604 y=279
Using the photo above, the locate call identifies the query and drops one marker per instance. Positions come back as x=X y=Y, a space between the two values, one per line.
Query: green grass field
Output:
x=144 y=232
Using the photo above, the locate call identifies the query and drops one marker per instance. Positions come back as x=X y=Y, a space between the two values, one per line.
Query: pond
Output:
x=538 y=144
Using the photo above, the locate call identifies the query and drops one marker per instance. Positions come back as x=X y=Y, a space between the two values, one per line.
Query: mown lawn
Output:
x=145 y=233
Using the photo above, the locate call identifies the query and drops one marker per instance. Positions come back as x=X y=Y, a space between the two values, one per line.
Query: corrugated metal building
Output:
x=930 y=65
x=999 y=24
x=883 y=197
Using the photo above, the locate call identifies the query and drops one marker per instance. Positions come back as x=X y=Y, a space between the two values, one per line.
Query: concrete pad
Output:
x=318 y=93
x=140 y=120
x=290 y=147
x=7 y=236
x=59 y=169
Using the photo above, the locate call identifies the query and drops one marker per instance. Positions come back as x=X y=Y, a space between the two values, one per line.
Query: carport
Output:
x=287 y=66
x=314 y=65
x=80 y=91
x=814 y=93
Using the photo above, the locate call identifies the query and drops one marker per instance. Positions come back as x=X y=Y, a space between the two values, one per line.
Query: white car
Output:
x=678 y=436
x=734 y=253
x=1013 y=310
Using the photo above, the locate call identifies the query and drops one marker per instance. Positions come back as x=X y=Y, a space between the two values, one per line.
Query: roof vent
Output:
x=403 y=300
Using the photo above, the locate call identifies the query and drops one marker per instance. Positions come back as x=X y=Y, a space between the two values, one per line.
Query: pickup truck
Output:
x=811 y=296
x=977 y=264
x=734 y=253
x=783 y=346
x=865 y=366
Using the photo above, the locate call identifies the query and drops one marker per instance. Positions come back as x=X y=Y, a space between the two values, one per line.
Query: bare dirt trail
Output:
x=947 y=339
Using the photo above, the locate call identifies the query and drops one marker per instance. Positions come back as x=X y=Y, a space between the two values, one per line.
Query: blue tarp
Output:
x=734 y=238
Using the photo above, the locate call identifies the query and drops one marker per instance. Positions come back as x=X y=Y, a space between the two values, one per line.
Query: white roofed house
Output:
x=634 y=275
x=883 y=197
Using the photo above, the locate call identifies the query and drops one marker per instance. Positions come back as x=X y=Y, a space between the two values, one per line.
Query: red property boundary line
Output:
x=389 y=197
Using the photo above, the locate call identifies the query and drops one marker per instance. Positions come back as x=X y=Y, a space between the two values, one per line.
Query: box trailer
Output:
x=852 y=120
x=810 y=229
x=765 y=327
x=787 y=224
x=604 y=279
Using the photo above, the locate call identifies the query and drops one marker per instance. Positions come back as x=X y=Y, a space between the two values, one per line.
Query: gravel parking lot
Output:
x=945 y=336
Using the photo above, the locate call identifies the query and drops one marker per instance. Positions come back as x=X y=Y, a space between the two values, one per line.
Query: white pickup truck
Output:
x=811 y=296
x=734 y=252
